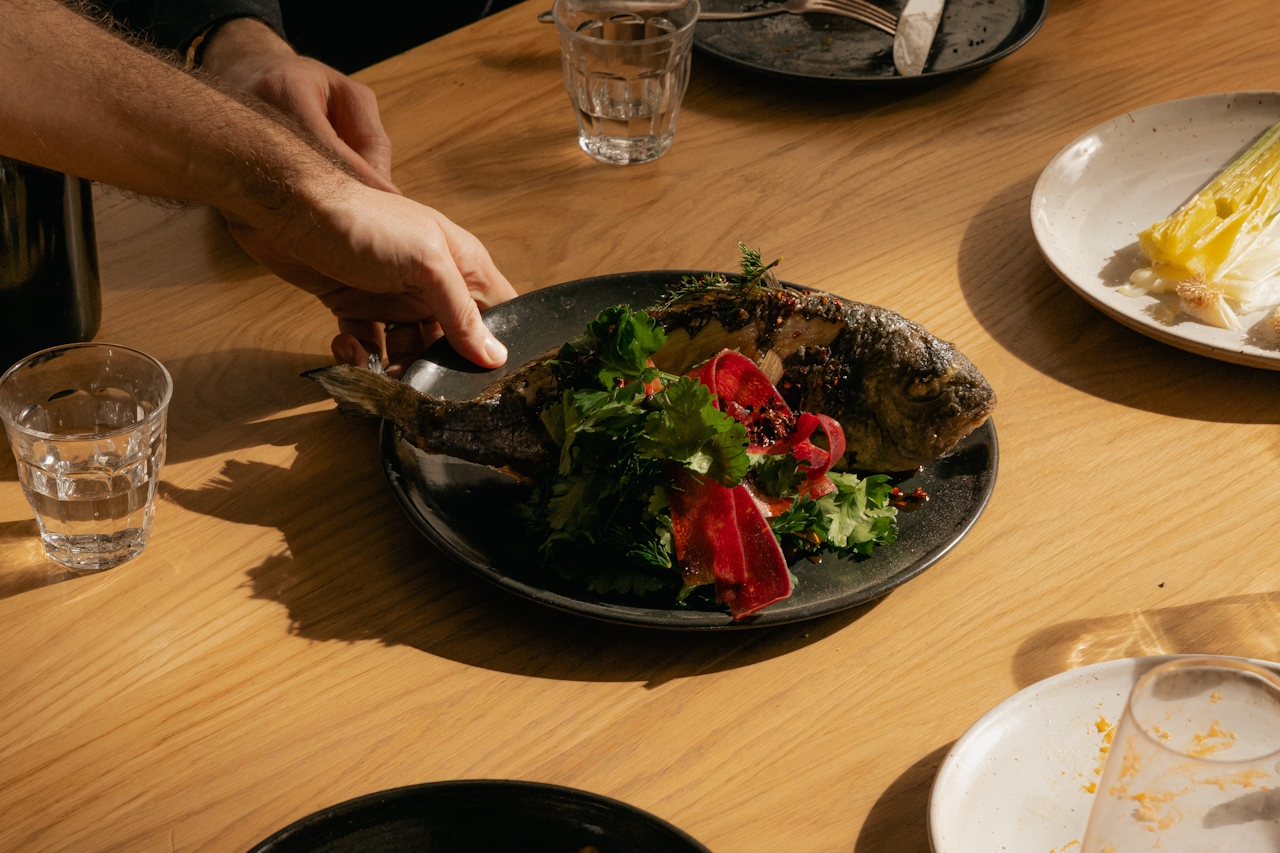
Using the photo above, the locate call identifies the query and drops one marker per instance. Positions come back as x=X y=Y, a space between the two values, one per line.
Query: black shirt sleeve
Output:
x=174 y=24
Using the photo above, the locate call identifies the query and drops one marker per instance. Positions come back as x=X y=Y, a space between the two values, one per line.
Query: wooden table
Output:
x=289 y=641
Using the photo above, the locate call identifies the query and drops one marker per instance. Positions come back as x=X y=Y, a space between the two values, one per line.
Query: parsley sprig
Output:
x=621 y=424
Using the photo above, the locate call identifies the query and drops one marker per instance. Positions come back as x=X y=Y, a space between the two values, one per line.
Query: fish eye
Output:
x=922 y=390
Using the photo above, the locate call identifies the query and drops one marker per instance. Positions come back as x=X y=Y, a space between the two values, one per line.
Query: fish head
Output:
x=919 y=397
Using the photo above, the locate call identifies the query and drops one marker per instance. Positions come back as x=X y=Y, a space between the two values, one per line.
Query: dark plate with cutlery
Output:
x=972 y=34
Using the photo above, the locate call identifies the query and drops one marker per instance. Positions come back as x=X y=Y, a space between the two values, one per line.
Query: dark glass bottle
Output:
x=49 y=292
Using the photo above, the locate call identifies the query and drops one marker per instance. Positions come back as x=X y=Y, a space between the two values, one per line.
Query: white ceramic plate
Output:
x=1019 y=779
x=1121 y=177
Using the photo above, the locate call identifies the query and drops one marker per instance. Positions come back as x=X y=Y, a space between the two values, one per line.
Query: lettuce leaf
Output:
x=858 y=513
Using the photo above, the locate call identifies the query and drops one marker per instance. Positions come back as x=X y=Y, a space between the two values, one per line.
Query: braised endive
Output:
x=1220 y=252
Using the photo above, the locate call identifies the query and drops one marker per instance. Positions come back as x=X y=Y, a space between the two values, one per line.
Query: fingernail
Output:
x=344 y=353
x=494 y=350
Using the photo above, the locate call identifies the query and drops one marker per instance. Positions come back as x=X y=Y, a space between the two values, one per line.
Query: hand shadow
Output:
x=384 y=582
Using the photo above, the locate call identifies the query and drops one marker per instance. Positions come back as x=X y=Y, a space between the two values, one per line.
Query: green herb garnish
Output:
x=745 y=286
x=625 y=428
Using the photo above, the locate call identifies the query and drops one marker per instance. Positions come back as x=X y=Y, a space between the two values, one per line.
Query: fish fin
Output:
x=358 y=391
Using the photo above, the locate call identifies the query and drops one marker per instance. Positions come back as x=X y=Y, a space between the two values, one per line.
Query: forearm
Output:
x=78 y=100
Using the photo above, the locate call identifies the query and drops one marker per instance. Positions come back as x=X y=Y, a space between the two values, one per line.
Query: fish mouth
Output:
x=944 y=444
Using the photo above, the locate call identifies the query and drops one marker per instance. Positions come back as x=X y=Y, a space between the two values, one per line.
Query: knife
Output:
x=916 y=27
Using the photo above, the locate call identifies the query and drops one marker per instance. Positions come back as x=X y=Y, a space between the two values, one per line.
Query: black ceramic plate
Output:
x=464 y=508
x=971 y=34
x=480 y=816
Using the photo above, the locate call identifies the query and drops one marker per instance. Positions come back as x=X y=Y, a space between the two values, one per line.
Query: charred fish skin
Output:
x=902 y=396
x=902 y=401
x=500 y=428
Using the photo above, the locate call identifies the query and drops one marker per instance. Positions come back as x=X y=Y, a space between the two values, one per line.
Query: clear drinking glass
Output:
x=87 y=425
x=626 y=66
x=1195 y=763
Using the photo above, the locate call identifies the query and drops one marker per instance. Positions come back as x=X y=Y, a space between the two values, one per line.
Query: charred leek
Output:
x=1221 y=251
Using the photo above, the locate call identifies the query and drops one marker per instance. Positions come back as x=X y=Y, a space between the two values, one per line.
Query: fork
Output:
x=858 y=10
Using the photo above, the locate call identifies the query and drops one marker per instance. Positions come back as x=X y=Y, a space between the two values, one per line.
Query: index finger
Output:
x=455 y=309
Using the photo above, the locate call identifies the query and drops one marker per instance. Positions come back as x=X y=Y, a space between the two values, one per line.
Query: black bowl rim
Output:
x=296 y=832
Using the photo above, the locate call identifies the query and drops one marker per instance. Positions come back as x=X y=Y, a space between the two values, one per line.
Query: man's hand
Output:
x=455 y=278
x=248 y=55
x=373 y=258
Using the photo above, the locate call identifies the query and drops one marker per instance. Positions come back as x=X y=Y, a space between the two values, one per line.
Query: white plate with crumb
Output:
x=1022 y=778
x=1129 y=173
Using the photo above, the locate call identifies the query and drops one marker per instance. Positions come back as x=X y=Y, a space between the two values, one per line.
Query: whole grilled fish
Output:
x=902 y=396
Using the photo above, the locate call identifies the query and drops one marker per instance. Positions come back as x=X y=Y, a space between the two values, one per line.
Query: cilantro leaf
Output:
x=616 y=345
x=804 y=516
x=687 y=428
x=574 y=503
x=578 y=413
x=802 y=528
x=777 y=474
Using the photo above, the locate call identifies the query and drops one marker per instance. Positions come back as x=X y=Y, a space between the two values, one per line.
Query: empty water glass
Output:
x=87 y=426
x=626 y=67
x=1195 y=763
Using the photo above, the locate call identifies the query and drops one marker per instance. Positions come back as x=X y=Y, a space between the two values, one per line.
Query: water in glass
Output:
x=88 y=434
x=626 y=75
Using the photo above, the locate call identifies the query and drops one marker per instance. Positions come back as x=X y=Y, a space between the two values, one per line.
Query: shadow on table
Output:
x=1243 y=625
x=381 y=580
x=27 y=569
x=1020 y=301
x=210 y=254
x=217 y=399
x=897 y=821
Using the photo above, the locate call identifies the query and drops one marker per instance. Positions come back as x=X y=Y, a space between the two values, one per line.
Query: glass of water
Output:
x=626 y=66
x=87 y=425
x=1195 y=763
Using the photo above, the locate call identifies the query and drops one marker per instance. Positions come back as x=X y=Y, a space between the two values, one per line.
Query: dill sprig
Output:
x=754 y=267
x=754 y=270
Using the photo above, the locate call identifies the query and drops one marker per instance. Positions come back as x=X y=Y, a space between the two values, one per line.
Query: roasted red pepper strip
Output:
x=740 y=389
x=817 y=460
x=764 y=579
x=704 y=529
x=720 y=535
x=733 y=376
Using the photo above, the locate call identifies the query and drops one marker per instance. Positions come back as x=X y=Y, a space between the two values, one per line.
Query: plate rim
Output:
x=893 y=79
x=1158 y=333
x=648 y=617
x=992 y=716
x=345 y=808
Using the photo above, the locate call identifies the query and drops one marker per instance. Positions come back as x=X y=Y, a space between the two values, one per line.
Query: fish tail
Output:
x=364 y=392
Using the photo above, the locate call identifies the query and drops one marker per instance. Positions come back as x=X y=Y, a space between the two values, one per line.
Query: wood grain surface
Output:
x=288 y=641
